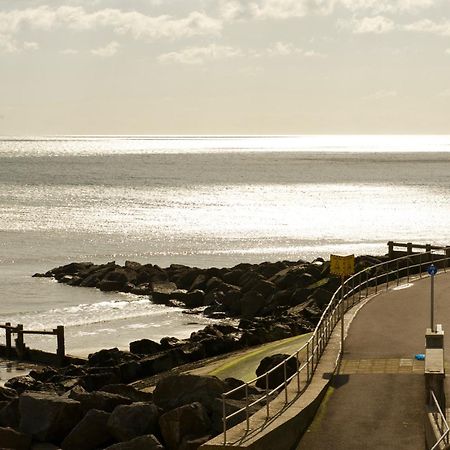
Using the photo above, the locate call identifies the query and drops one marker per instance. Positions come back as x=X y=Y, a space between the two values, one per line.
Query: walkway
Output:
x=377 y=400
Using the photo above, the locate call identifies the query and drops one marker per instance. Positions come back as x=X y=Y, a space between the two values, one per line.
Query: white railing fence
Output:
x=366 y=282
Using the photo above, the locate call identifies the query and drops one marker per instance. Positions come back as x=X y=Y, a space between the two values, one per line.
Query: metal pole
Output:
x=432 y=302
x=342 y=315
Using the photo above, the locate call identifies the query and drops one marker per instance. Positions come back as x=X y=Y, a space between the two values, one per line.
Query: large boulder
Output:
x=182 y=389
x=9 y=414
x=11 y=439
x=188 y=421
x=252 y=303
x=130 y=421
x=276 y=377
x=125 y=390
x=90 y=433
x=148 y=442
x=110 y=357
x=145 y=347
x=103 y=401
x=47 y=417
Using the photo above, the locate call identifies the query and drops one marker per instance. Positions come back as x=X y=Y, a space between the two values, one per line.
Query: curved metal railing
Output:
x=359 y=286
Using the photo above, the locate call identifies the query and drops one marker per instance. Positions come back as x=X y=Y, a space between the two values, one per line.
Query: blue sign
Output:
x=432 y=270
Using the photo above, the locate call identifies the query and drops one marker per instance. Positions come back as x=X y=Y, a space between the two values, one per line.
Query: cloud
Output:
x=447 y=51
x=287 y=49
x=8 y=44
x=288 y=9
x=133 y=23
x=366 y=25
x=428 y=26
x=387 y=6
x=107 y=51
x=380 y=95
x=199 y=55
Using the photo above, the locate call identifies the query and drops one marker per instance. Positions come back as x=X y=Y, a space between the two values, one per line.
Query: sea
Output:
x=202 y=201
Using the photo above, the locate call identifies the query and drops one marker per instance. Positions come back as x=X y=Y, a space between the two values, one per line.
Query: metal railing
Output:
x=366 y=282
x=440 y=421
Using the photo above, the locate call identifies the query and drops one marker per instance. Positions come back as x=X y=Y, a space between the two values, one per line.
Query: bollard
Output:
x=20 y=346
x=8 y=338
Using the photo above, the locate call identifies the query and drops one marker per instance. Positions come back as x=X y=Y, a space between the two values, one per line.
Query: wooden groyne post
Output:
x=21 y=349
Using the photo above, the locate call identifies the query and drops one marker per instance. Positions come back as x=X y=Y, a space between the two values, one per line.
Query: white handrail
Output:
x=333 y=313
x=443 y=422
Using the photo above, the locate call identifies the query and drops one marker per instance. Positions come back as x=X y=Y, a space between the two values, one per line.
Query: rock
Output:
x=22 y=384
x=163 y=287
x=45 y=446
x=145 y=347
x=100 y=400
x=48 y=417
x=11 y=439
x=199 y=282
x=276 y=377
x=148 y=442
x=9 y=414
x=189 y=443
x=110 y=357
x=264 y=287
x=132 y=265
x=90 y=433
x=7 y=394
x=161 y=362
x=321 y=297
x=188 y=421
x=251 y=303
x=94 y=381
x=194 y=299
x=141 y=289
x=128 y=391
x=109 y=286
x=170 y=342
x=233 y=276
x=178 y=390
x=130 y=421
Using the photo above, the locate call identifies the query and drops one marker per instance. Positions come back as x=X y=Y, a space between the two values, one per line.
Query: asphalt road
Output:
x=370 y=409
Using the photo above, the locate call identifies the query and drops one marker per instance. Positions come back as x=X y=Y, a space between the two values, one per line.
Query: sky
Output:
x=224 y=67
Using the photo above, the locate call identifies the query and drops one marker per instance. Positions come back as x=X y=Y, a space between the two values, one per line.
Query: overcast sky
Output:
x=224 y=67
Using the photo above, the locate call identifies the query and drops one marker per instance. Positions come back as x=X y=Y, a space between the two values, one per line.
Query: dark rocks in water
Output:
x=129 y=421
x=110 y=357
x=90 y=433
x=184 y=423
x=145 y=347
x=276 y=377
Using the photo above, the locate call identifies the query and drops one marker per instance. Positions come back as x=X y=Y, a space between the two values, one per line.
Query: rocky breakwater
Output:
x=243 y=291
x=183 y=412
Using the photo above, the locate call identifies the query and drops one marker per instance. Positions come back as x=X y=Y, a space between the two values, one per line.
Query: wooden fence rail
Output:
x=20 y=346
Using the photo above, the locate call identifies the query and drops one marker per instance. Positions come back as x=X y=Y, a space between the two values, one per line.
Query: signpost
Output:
x=342 y=266
x=432 y=271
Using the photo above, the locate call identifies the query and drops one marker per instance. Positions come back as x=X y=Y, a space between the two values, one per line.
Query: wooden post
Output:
x=409 y=248
x=20 y=345
x=8 y=338
x=427 y=250
x=60 y=350
x=391 y=249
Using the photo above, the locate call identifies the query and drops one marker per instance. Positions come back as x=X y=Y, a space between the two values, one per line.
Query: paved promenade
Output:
x=377 y=400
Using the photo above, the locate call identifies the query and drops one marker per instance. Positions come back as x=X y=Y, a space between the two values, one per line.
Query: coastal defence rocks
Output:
x=183 y=413
x=243 y=291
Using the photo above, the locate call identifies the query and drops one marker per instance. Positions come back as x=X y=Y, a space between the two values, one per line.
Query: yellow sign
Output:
x=342 y=265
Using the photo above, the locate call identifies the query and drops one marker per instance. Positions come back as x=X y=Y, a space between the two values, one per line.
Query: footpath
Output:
x=377 y=400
